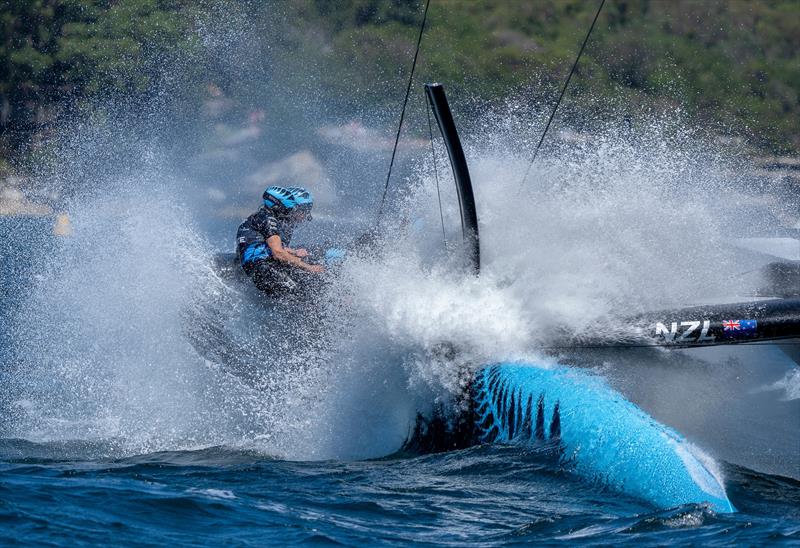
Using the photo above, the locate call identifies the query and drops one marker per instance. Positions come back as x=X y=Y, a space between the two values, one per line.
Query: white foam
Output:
x=214 y=493
x=790 y=384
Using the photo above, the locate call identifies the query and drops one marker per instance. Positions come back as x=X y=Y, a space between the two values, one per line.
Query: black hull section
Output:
x=694 y=326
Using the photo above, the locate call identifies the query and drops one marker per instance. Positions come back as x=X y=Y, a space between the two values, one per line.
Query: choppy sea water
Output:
x=481 y=496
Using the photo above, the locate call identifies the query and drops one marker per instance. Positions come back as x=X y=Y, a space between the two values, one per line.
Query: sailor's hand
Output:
x=302 y=252
x=316 y=268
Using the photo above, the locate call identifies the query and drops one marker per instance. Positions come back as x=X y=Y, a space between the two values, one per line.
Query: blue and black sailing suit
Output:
x=255 y=255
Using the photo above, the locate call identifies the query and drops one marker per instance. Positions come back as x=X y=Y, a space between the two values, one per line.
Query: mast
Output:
x=466 y=198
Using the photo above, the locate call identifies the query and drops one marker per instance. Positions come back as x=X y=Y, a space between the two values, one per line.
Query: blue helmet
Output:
x=286 y=200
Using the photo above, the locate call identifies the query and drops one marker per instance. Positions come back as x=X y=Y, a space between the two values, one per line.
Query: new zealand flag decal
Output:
x=735 y=329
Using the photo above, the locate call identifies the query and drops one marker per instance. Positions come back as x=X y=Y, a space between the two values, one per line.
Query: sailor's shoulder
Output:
x=262 y=220
x=256 y=216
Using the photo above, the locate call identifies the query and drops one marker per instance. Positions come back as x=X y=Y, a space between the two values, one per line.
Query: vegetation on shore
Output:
x=732 y=63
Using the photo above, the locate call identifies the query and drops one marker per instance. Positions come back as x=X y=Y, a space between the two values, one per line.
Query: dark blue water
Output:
x=480 y=496
x=80 y=492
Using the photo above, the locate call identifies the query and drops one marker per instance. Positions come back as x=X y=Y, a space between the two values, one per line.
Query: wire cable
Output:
x=560 y=97
x=403 y=112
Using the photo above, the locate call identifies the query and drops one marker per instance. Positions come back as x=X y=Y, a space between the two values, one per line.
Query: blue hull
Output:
x=603 y=437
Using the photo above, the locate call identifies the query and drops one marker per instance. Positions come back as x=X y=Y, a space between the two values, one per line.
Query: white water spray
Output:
x=607 y=227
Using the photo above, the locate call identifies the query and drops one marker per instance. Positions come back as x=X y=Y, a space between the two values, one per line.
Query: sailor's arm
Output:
x=285 y=255
x=299 y=252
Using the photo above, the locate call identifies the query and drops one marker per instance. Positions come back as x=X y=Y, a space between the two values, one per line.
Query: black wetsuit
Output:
x=255 y=255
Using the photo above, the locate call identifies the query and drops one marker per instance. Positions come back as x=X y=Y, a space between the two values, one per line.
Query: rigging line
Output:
x=436 y=172
x=560 y=97
x=403 y=111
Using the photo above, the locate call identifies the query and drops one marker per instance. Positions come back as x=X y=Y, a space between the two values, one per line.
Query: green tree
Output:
x=56 y=51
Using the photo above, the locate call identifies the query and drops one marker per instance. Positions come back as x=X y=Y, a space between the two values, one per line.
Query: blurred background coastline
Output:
x=222 y=96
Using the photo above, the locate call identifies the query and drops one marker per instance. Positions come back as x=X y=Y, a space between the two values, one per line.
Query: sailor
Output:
x=262 y=241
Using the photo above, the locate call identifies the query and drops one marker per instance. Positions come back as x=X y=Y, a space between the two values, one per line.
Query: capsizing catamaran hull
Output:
x=592 y=431
x=601 y=436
